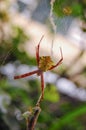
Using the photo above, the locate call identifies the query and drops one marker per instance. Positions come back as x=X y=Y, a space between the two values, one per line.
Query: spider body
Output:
x=44 y=63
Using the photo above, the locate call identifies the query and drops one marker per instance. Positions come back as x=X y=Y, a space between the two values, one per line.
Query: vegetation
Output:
x=59 y=112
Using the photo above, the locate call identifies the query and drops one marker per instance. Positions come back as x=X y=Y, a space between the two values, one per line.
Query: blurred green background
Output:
x=62 y=109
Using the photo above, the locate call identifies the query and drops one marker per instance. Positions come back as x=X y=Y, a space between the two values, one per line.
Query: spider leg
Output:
x=42 y=85
x=26 y=74
x=59 y=62
x=37 y=50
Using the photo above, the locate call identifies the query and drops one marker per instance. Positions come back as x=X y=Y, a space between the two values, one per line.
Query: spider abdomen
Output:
x=45 y=63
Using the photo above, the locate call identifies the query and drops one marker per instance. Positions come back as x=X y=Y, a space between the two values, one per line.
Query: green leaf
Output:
x=77 y=9
x=68 y=118
x=51 y=94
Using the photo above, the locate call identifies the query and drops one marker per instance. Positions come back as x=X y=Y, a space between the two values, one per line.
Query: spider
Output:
x=44 y=63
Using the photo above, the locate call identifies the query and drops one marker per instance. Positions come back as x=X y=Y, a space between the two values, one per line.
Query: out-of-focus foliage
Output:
x=69 y=120
x=73 y=7
x=51 y=94
x=14 y=97
x=58 y=112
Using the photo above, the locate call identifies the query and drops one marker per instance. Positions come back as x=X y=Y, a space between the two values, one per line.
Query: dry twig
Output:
x=32 y=115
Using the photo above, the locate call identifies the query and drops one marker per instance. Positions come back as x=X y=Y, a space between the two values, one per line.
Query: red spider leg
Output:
x=59 y=62
x=42 y=84
x=37 y=50
x=26 y=74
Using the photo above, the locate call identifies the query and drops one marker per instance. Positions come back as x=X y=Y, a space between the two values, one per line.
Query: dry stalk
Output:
x=33 y=116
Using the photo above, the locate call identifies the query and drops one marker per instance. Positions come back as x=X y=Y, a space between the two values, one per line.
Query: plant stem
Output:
x=32 y=119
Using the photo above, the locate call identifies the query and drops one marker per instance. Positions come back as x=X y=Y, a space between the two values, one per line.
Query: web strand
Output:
x=52 y=16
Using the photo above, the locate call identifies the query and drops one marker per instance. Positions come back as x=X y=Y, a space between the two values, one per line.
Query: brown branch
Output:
x=33 y=116
x=32 y=120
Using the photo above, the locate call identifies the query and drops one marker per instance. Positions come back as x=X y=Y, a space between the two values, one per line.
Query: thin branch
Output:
x=32 y=120
x=39 y=100
x=33 y=116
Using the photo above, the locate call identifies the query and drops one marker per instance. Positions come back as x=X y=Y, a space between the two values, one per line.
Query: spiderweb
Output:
x=55 y=21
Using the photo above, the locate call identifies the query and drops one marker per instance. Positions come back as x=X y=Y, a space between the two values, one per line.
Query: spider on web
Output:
x=44 y=63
